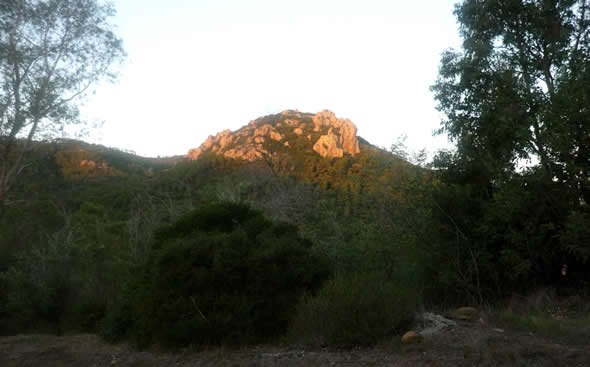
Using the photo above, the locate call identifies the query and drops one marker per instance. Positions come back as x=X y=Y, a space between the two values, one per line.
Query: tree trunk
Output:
x=2 y=206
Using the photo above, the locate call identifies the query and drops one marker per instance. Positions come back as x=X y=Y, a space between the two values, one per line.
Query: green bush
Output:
x=65 y=281
x=354 y=309
x=38 y=286
x=223 y=274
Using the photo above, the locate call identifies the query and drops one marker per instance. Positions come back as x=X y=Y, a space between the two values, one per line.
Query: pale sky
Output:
x=197 y=67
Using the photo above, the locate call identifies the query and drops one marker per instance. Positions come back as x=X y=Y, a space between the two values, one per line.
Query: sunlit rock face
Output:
x=342 y=130
x=330 y=136
x=328 y=146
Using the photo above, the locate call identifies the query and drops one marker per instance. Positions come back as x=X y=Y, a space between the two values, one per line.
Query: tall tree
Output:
x=518 y=90
x=51 y=52
x=519 y=87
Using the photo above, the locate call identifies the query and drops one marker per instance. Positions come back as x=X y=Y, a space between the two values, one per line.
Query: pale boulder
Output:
x=411 y=337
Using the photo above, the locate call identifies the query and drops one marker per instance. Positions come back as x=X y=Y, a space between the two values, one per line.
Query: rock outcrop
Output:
x=344 y=128
x=329 y=136
x=327 y=146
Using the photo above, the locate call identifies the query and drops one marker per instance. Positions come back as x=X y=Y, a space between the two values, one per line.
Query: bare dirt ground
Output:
x=466 y=344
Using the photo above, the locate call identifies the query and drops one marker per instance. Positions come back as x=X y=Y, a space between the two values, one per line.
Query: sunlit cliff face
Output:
x=330 y=136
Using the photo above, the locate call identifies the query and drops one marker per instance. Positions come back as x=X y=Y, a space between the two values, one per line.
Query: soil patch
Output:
x=466 y=344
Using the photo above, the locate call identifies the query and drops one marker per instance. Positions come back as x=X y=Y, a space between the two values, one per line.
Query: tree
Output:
x=518 y=90
x=503 y=96
x=51 y=52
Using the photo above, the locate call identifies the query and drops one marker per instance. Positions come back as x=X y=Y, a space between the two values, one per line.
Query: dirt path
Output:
x=462 y=345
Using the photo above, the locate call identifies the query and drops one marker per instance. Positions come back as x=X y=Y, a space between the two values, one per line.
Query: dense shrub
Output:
x=221 y=274
x=354 y=309
x=65 y=281
x=37 y=288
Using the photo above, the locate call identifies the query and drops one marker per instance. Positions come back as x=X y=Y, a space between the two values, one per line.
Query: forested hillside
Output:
x=69 y=248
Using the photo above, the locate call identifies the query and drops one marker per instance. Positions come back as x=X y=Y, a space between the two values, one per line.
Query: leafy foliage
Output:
x=355 y=309
x=65 y=281
x=51 y=52
x=513 y=95
x=221 y=274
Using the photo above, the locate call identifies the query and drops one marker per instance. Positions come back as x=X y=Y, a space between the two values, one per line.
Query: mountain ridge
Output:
x=319 y=148
x=326 y=134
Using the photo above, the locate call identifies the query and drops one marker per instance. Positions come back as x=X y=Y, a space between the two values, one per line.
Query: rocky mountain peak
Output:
x=327 y=135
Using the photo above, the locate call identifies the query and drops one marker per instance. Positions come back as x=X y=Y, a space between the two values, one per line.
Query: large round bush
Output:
x=221 y=274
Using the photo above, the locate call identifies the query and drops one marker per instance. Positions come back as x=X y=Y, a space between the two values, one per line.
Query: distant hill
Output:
x=78 y=159
x=318 y=147
x=322 y=133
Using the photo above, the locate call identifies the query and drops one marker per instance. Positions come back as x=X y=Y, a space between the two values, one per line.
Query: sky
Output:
x=197 y=67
